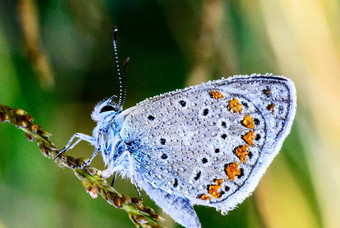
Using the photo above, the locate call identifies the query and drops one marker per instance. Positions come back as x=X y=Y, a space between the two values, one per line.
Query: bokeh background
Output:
x=57 y=62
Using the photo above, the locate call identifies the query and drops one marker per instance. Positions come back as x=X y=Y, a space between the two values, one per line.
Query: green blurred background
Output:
x=57 y=62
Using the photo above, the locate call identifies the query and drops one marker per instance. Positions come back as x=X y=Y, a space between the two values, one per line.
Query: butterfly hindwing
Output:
x=211 y=143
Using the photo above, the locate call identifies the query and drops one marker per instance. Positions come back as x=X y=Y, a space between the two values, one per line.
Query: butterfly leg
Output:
x=137 y=189
x=132 y=175
x=80 y=137
x=114 y=179
x=180 y=209
x=139 y=194
x=90 y=160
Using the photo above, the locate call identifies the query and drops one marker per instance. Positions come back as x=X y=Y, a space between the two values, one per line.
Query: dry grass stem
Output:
x=37 y=55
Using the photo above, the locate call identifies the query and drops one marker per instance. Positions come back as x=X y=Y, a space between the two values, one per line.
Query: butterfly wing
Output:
x=211 y=143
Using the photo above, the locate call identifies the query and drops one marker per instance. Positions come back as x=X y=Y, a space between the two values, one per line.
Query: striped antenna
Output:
x=122 y=81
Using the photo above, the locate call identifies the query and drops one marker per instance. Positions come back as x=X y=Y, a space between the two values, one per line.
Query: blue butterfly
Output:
x=208 y=144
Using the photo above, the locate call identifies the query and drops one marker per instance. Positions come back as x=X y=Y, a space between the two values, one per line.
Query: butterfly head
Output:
x=106 y=110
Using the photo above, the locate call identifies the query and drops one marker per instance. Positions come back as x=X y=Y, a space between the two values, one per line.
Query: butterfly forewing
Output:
x=213 y=141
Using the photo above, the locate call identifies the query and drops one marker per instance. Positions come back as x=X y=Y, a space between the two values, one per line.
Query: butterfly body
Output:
x=203 y=145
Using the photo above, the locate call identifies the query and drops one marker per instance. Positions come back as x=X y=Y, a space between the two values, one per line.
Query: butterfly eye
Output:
x=108 y=108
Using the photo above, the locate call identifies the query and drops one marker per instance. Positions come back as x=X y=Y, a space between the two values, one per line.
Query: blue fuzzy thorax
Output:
x=107 y=133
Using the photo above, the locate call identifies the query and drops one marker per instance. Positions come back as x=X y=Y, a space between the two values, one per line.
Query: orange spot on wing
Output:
x=242 y=152
x=235 y=106
x=216 y=94
x=219 y=182
x=271 y=107
x=232 y=170
x=249 y=137
x=213 y=189
x=267 y=92
x=248 y=122
x=205 y=197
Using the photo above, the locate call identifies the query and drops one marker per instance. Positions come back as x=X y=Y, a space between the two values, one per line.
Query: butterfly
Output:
x=208 y=144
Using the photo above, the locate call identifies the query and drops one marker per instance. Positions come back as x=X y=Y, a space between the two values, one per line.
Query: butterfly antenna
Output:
x=123 y=95
x=122 y=82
